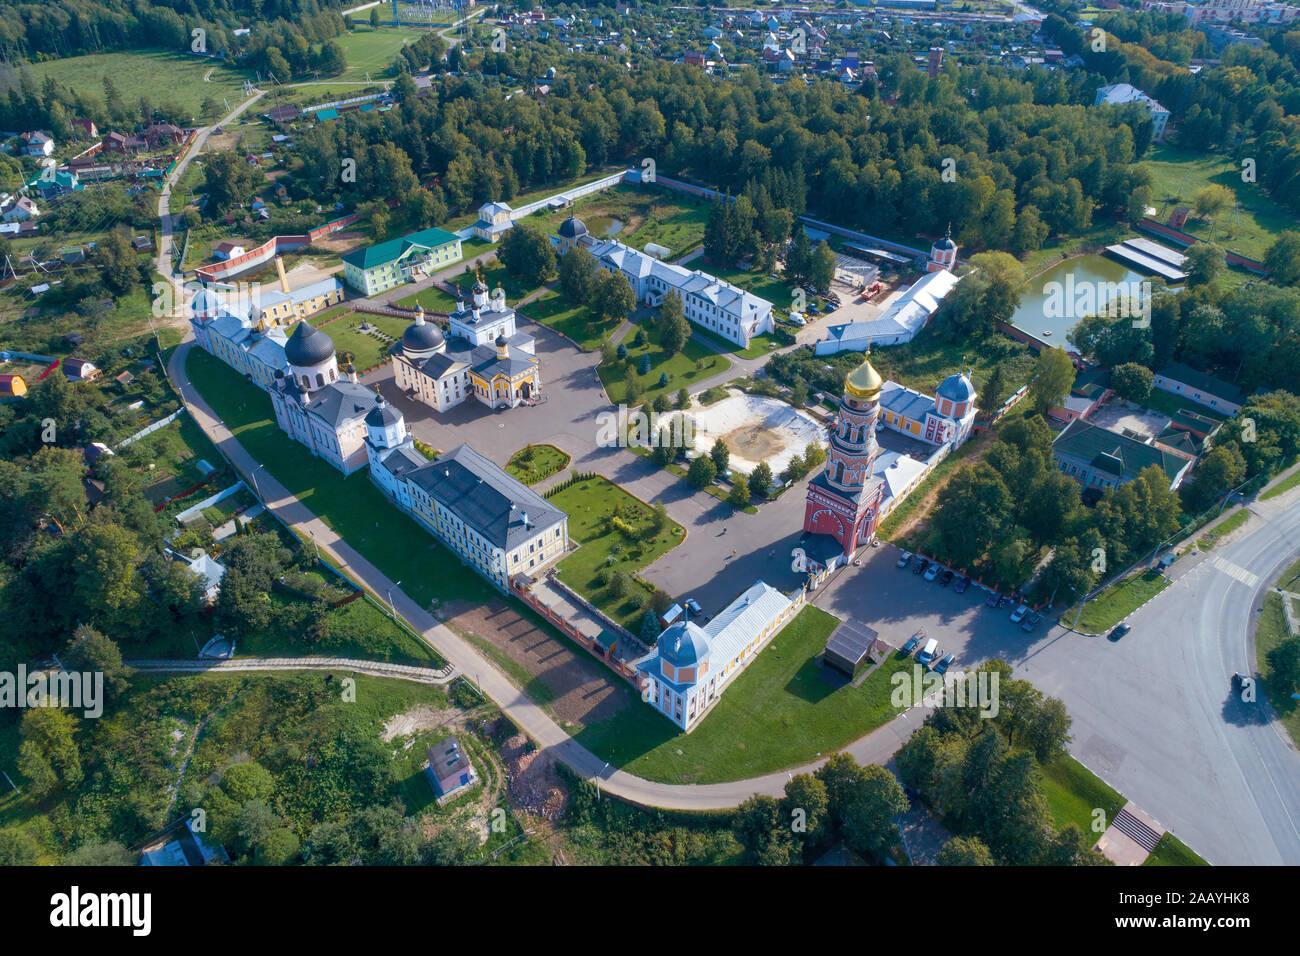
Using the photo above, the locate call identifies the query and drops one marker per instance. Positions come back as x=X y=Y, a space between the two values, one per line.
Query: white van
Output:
x=929 y=651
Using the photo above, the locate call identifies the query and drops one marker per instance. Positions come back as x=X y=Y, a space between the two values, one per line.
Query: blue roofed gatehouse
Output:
x=691 y=665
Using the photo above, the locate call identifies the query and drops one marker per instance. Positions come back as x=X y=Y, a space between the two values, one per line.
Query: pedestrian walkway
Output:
x=423 y=675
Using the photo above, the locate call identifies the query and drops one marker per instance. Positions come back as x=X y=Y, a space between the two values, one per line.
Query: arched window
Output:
x=306 y=381
x=320 y=379
x=332 y=372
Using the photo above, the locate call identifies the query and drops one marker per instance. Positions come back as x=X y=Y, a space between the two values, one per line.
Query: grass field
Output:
x=1117 y=602
x=590 y=505
x=636 y=216
x=534 y=463
x=1282 y=487
x=576 y=322
x=352 y=506
x=372 y=51
x=368 y=349
x=160 y=76
x=1074 y=792
x=359 y=629
x=1171 y=851
x=777 y=714
x=682 y=368
x=1271 y=632
x=1250 y=230
x=1234 y=521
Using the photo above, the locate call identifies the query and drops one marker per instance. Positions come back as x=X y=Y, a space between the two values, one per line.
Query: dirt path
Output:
x=918 y=520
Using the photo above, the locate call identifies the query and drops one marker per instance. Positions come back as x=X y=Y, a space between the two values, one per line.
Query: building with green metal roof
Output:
x=386 y=265
x=1098 y=458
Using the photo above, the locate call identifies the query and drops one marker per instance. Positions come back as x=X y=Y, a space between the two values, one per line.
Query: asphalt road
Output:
x=1155 y=714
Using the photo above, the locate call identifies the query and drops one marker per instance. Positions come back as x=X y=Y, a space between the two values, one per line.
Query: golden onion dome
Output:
x=864 y=381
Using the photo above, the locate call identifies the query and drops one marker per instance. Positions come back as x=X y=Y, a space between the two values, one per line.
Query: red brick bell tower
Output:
x=843 y=501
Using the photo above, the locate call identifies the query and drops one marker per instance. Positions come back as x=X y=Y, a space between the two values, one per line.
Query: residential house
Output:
x=389 y=264
x=1098 y=458
x=449 y=768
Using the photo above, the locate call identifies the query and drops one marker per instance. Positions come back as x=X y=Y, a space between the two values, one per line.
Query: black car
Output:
x=1120 y=630
x=921 y=566
x=961 y=586
x=994 y=600
x=946 y=579
x=1031 y=621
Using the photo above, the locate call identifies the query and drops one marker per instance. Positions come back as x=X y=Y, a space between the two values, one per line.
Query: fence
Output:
x=1186 y=239
x=569 y=195
x=269 y=249
x=208 y=502
x=522 y=591
x=150 y=429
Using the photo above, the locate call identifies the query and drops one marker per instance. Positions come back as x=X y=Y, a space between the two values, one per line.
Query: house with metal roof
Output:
x=389 y=264
x=495 y=523
x=714 y=304
x=1099 y=458
x=1185 y=381
x=948 y=416
x=904 y=317
x=494 y=219
x=449 y=769
x=691 y=665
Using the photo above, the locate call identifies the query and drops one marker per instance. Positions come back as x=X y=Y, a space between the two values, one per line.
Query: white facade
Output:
x=691 y=665
x=1119 y=93
x=710 y=302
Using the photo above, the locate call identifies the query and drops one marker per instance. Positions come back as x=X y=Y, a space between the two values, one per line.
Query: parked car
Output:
x=929 y=652
x=1031 y=621
x=920 y=566
x=943 y=665
x=911 y=645
x=932 y=572
x=1019 y=613
x=961 y=586
x=994 y=600
x=1120 y=629
x=946 y=579
x=902 y=561
x=693 y=606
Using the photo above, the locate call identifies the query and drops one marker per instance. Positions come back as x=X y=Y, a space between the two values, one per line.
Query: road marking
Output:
x=1236 y=572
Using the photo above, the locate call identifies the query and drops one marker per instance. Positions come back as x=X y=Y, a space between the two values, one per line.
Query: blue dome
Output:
x=308 y=347
x=684 y=644
x=572 y=228
x=422 y=337
x=956 y=388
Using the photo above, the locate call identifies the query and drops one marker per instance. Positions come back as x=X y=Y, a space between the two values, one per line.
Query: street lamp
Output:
x=390 y=599
x=315 y=546
x=253 y=476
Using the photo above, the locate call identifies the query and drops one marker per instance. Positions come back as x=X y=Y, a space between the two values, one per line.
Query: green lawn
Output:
x=779 y=713
x=644 y=214
x=372 y=51
x=591 y=504
x=777 y=291
x=352 y=506
x=576 y=322
x=1177 y=174
x=430 y=299
x=1073 y=792
x=1234 y=521
x=1271 y=632
x=1171 y=851
x=759 y=345
x=368 y=349
x=160 y=76
x=1117 y=602
x=683 y=368
x=534 y=463
x=1170 y=404
x=359 y=630
x=1282 y=487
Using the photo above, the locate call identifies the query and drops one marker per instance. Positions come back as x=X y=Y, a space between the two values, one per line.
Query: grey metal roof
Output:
x=482 y=495
x=342 y=402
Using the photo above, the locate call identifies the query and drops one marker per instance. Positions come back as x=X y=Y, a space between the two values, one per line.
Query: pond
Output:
x=1096 y=275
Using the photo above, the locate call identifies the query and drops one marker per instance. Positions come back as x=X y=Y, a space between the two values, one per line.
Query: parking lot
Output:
x=898 y=604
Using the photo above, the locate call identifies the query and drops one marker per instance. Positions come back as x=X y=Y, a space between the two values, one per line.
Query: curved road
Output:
x=1153 y=714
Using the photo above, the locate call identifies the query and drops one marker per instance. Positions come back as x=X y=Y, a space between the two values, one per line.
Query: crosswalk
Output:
x=1236 y=572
